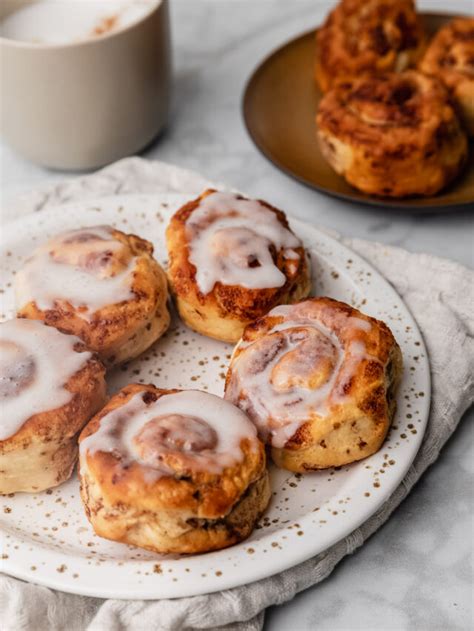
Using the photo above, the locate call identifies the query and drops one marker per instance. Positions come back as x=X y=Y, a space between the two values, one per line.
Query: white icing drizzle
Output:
x=294 y=372
x=36 y=361
x=187 y=430
x=78 y=267
x=229 y=242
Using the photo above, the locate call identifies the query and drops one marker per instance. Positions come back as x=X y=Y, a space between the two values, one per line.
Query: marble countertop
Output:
x=416 y=572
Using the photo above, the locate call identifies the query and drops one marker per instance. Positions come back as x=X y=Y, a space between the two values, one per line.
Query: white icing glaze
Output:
x=190 y=429
x=76 y=267
x=36 y=361
x=293 y=372
x=229 y=242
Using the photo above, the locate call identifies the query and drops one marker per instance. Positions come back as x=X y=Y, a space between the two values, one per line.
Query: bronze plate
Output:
x=279 y=106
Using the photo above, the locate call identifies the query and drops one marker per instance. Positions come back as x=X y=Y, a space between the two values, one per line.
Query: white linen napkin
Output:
x=439 y=294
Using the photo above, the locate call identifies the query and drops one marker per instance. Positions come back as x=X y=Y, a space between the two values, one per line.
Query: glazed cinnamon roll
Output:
x=318 y=379
x=368 y=37
x=450 y=58
x=231 y=259
x=99 y=284
x=172 y=471
x=392 y=136
x=50 y=386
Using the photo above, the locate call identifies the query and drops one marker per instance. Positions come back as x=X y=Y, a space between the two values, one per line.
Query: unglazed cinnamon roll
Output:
x=231 y=259
x=392 y=136
x=318 y=380
x=172 y=471
x=99 y=284
x=50 y=386
x=450 y=58
x=367 y=37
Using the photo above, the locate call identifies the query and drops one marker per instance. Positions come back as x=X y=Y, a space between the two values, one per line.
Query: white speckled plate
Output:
x=46 y=538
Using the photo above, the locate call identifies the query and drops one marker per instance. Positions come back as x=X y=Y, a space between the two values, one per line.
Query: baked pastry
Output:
x=318 y=379
x=393 y=136
x=450 y=58
x=368 y=37
x=50 y=386
x=172 y=471
x=231 y=259
x=100 y=284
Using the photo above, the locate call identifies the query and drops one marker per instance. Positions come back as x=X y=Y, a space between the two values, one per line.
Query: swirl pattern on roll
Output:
x=367 y=37
x=36 y=361
x=395 y=135
x=296 y=364
x=177 y=433
x=450 y=58
x=88 y=268
x=234 y=241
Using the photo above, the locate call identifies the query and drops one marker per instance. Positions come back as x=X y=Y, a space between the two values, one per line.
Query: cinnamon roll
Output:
x=392 y=136
x=99 y=284
x=231 y=259
x=368 y=37
x=450 y=58
x=50 y=386
x=172 y=471
x=318 y=379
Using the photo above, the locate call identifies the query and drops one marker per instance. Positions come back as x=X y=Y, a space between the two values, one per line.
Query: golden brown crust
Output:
x=393 y=136
x=358 y=407
x=450 y=58
x=367 y=37
x=193 y=511
x=167 y=534
x=43 y=452
x=117 y=332
x=227 y=309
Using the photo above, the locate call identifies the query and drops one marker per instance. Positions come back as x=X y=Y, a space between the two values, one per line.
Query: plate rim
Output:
x=257 y=571
x=357 y=198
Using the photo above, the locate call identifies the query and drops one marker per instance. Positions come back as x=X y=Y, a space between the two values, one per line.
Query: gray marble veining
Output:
x=416 y=572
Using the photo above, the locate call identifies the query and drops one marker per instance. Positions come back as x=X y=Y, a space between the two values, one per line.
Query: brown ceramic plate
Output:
x=279 y=106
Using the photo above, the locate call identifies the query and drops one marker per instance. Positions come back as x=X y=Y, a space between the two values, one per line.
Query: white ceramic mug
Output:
x=85 y=103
